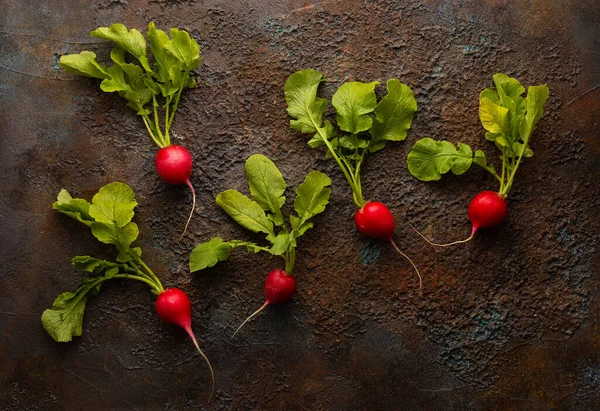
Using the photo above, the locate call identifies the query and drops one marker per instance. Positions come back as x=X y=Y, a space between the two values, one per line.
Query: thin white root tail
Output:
x=193 y=207
x=447 y=244
x=212 y=373
x=413 y=264
x=251 y=316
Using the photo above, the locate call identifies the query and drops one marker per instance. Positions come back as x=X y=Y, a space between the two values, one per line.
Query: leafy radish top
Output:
x=109 y=217
x=365 y=125
x=509 y=120
x=142 y=84
x=262 y=214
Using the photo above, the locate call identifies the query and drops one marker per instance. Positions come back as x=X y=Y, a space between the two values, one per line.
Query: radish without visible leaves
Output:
x=509 y=121
x=366 y=126
x=140 y=84
x=109 y=217
x=262 y=214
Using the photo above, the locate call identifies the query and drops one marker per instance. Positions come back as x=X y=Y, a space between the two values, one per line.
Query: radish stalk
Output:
x=109 y=216
x=262 y=214
x=365 y=127
x=141 y=85
x=509 y=120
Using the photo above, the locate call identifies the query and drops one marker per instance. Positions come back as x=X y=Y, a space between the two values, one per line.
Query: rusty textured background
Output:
x=508 y=321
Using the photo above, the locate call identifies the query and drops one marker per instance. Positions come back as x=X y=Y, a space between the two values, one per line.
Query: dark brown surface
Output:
x=508 y=321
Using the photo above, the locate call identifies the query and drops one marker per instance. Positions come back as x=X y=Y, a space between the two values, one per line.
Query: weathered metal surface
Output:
x=508 y=321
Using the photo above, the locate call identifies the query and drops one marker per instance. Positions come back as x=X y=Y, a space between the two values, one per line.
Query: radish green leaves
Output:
x=142 y=84
x=109 y=216
x=261 y=213
x=509 y=120
x=365 y=124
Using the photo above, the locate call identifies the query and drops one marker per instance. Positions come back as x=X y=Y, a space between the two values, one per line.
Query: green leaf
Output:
x=494 y=118
x=353 y=101
x=393 y=115
x=159 y=40
x=534 y=108
x=133 y=41
x=118 y=236
x=93 y=265
x=299 y=227
x=184 y=48
x=312 y=196
x=209 y=253
x=83 y=64
x=480 y=159
x=76 y=208
x=113 y=204
x=301 y=97
x=318 y=140
x=352 y=142
x=281 y=243
x=245 y=212
x=266 y=185
x=429 y=159
x=64 y=319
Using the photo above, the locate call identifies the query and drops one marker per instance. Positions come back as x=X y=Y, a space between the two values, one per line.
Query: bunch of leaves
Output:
x=140 y=82
x=509 y=120
x=363 y=124
x=262 y=214
x=109 y=217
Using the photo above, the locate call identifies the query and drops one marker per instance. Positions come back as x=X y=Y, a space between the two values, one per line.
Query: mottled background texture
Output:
x=510 y=320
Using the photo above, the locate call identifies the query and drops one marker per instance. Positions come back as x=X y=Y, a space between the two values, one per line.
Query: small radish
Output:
x=173 y=307
x=112 y=209
x=174 y=165
x=486 y=210
x=280 y=287
x=143 y=86
x=375 y=220
x=263 y=214
x=509 y=120
x=365 y=126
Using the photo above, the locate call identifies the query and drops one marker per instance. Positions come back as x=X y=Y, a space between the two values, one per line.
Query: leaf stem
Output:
x=139 y=278
x=154 y=277
x=337 y=159
x=156 y=122
x=147 y=124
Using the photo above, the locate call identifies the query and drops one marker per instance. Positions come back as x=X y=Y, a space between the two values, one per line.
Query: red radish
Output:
x=487 y=209
x=174 y=165
x=173 y=307
x=280 y=287
x=375 y=220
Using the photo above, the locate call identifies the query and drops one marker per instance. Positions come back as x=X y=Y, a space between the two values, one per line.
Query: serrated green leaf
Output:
x=209 y=253
x=64 y=319
x=93 y=265
x=326 y=133
x=159 y=40
x=249 y=214
x=184 y=48
x=83 y=64
x=133 y=41
x=352 y=142
x=393 y=115
x=113 y=204
x=76 y=208
x=494 y=118
x=353 y=101
x=281 y=243
x=429 y=159
x=301 y=97
x=480 y=159
x=266 y=185
x=534 y=108
x=109 y=233
x=312 y=196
